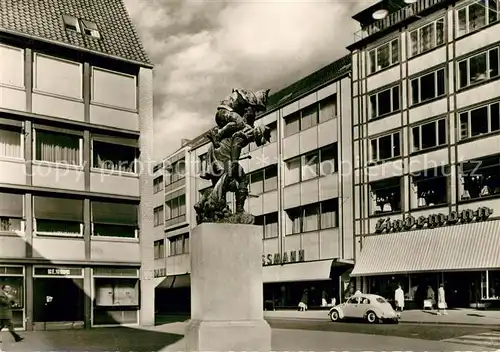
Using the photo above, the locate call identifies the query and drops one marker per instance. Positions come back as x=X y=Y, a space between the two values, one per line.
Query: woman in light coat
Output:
x=399 y=298
x=441 y=300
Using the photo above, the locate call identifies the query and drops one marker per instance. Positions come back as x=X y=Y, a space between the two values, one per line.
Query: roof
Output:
x=42 y=19
x=365 y=17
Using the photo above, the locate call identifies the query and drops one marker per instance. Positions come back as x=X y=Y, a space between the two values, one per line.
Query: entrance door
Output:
x=460 y=288
x=58 y=300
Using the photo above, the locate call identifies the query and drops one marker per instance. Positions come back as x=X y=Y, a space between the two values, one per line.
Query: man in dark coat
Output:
x=6 y=301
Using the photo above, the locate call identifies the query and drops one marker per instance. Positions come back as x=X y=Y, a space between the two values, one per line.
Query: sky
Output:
x=203 y=49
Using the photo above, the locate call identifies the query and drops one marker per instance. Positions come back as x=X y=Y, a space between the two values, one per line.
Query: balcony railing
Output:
x=394 y=18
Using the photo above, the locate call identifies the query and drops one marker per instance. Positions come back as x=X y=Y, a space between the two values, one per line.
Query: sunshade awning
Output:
x=174 y=281
x=459 y=247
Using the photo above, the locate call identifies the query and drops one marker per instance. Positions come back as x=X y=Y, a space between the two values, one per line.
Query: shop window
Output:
x=61 y=148
x=329 y=159
x=428 y=86
x=476 y=15
x=159 y=249
x=114 y=219
x=427 y=37
x=175 y=171
x=175 y=207
x=310 y=166
x=11 y=212
x=179 y=244
x=479 y=121
x=158 y=184
x=384 y=56
x=385 y=102
x=292 y=171
x=11 y=142
x=329 y=213
x=159 y=217
x=328 y=108
x=116 y=292
x=385 y=147
x=386 y=196
x=430 y=187
x=269 y=223
x=292 y=124
x=494 y=284
x=478 y=68
x=480 y=178
x=309 y=117
x=429 y=135
x=58 y=216
x=114 y=157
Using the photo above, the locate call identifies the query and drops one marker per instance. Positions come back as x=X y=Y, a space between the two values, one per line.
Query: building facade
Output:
x=75 y=144
x=299 y=192
x=426 y=128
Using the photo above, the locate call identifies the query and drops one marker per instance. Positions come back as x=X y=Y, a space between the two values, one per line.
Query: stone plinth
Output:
x=226 y=290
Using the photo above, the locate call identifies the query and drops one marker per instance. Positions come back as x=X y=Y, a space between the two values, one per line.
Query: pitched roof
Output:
x=42 y=19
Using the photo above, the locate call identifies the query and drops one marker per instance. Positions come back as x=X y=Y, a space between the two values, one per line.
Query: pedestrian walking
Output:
x=6 y=301
x=399 y=299
x=324 y=297
x=441 y=304
x=303 y=301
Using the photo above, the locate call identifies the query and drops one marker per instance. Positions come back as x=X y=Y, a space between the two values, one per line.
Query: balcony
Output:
x=394 y=17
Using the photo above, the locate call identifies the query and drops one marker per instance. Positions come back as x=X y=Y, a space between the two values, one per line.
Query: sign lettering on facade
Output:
x=58 y=272
x=160 y=272
x=433 y=220
x=286 y=258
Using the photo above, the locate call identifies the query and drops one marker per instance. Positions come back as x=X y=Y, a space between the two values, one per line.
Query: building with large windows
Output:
x=299 y=192
x=75 y=128
x=426 y=128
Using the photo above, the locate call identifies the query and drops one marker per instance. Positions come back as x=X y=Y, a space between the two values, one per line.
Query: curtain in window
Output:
x=328 y=219
x=328 y=109
x=311 y=218
x=114 y=157
x=477 y=16
x=179 y=242
x=427 y=37
x=58 y=148
x=383 y=57
x=493 y=11
x=271 y=230
x=186 y=244
x=440 y=32
x=10 y=143
x=414 y=43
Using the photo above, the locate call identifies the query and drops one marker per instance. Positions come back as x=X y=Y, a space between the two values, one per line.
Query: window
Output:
x=158 y=216
x=269 y=223
x=328 y=108
x=494 y=284
x=328 y=159
x=114 y=219
x=294 y=221
x=114 y=89
x=480 y=178
x=58 y=216
x=57 y=76
x=478 y=68
x=176 y=171
x=430 y=187
x=329 y=213
x=292 y=124
x=309 y=117
x=11 y=212
x=12 y=67
x=385 y=147
x=114 y=157
x=477 y=15
x=274 y=132
x=427 y=37
x=175 y=207
x=386 y=196
x=90 y=28
x=292 y=171
x=11 y=142
x=179 y=244
x=479 y=121
x=116 y=292
x=71 y=23
x=55 y=147
x=310 y=166
x=312 y=217
x=429 y=135
x=428 y=86
x=384 y=56
x=203 y=164
x=385 y=102
x=271 y=178
x=158 y=184
x=159 y=249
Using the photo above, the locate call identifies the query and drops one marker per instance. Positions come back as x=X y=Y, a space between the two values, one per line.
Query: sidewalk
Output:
x=454 y=317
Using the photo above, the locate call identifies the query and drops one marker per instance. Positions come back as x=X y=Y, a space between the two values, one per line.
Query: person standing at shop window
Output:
x=399 y=299
x=6 y=301
x=441 y=304
x=303 y=301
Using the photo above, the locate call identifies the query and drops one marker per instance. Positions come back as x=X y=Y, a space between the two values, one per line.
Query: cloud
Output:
x=203 y=49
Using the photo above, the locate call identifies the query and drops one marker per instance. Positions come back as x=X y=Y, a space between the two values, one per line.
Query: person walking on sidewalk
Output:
x=303 y=301
x=441 y=304
x=6 y=301
x=399 y=299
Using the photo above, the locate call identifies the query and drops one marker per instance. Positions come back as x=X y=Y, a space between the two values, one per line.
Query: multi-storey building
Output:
x=299 y=192
x=426 y=128
x=75 y=140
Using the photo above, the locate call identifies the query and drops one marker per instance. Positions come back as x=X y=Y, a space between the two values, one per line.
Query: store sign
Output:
x=287 y=258
x=160 y=272
x=433 y=220
x=58 y=272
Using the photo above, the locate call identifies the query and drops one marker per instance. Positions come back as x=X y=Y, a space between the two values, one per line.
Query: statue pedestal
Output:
x=227 y=312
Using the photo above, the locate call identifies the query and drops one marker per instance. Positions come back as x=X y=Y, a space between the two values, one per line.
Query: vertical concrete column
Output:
x=87 y=81
x=146 y=223
x=28 y=151
x=28 y=78
x=87 y=303
x=29 y=297
x=28 y=224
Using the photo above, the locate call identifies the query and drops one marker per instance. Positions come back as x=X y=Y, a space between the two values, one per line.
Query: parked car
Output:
x=371 y=308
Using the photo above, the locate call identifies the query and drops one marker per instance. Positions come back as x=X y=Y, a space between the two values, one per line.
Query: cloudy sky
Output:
x=202 y=49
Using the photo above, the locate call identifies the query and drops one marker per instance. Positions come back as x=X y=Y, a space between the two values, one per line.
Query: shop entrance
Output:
x=58 y=300
x=462 y=288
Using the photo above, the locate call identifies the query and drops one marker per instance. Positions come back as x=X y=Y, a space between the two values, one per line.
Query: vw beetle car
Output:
x=371 y=308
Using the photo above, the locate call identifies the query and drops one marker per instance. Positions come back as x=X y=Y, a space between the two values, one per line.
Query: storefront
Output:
x=115 y=296
x=58 y=295
x=14 y=276
x=464 y=257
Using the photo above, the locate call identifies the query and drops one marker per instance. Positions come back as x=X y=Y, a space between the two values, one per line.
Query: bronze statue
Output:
x=235 y=129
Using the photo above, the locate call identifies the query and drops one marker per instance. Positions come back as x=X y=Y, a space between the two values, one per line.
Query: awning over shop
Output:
x=174 y=281
x=459 y=247
x=306 y=271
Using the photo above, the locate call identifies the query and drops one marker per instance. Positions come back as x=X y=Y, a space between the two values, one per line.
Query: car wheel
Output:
x=371 y=317
x=334 y=315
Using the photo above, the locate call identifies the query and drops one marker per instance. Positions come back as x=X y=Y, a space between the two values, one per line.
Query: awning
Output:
x=306 y=271
x=174 y=281
x=459 y=247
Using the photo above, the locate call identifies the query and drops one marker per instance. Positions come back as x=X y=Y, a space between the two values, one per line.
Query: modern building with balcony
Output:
x=426 y=128
x=75 y=140
x=300 y=192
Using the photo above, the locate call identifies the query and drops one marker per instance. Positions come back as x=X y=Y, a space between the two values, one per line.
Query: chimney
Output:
x=184 y=141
